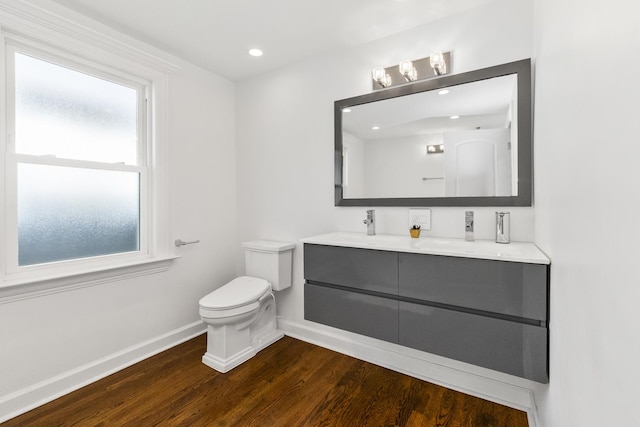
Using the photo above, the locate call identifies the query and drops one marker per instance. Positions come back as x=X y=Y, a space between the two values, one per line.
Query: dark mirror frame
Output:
x=525 y=146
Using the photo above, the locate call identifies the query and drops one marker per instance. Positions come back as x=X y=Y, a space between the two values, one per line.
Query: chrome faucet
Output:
x=371 y=222
x=468 y=226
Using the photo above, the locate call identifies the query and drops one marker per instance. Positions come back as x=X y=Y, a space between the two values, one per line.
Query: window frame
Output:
x=150 y=79
x=14 y=159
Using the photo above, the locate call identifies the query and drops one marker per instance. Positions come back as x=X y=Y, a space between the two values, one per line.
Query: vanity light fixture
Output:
x=406 y=71
x=433 y=149
x=437 y=62
x=380 y=76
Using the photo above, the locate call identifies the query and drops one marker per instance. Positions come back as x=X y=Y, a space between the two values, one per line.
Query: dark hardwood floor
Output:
x=290 y=383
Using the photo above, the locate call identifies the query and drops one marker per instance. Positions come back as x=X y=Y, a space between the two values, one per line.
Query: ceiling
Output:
x=217 y=34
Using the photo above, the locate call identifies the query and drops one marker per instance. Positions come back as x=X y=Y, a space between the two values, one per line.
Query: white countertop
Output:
x=482 y=249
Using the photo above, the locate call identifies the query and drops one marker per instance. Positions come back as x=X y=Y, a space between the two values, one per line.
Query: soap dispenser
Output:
x=503 y=227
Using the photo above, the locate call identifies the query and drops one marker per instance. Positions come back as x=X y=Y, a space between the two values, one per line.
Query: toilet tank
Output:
x=271 y=261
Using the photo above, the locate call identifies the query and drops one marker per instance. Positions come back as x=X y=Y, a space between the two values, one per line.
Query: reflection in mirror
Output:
x=457 y=143
x=462 y=140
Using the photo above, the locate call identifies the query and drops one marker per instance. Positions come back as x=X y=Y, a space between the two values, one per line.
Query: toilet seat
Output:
x=239 y=296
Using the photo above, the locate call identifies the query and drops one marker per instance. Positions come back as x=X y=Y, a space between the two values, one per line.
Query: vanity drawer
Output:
x=365 y=269
x=507 y=288
x=506 y=346
x=368 y=315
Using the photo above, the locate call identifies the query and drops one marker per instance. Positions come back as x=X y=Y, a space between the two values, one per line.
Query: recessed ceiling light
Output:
x=443 y=92
x=454 y=117
x=255 y=52
x=375 y=127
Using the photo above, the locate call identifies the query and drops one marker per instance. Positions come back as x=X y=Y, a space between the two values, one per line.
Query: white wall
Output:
x=43 y=337
x=353 y=158
x=395 y=167
x=587 y=210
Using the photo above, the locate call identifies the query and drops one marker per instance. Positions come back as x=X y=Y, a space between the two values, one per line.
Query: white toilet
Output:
x=241 y=315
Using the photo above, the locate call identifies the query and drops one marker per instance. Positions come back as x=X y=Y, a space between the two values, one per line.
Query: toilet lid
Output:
x=238 y=292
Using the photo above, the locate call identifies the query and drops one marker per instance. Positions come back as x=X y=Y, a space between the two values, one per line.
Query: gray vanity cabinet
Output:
x=507 y=346
x=363 y=269
x=485 y=312
x=363 y=314
x=348 y=289
x=512 y=289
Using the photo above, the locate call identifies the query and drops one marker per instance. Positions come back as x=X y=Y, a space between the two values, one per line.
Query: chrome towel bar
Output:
x=180 y=242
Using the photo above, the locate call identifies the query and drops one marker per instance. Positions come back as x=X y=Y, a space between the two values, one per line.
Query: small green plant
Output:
x=415 y=226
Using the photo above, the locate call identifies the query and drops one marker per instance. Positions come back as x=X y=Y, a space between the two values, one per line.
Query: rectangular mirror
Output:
x=457 y=140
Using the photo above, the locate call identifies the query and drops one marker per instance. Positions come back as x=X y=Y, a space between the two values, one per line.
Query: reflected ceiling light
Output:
x=437 y=62
x=454 y=117
x=443 y=92
x=346 y=110
x=255 y=52
x=408 y=71
x=380 y=76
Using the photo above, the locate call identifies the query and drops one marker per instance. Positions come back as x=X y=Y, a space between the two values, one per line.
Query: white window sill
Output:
x=12 y=290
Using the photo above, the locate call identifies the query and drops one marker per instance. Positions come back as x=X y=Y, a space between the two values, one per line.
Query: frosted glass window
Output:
x=73 y=115
x=68 y=213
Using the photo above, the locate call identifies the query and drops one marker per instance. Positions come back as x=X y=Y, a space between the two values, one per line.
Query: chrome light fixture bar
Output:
x=434 y=149
x=437 y=64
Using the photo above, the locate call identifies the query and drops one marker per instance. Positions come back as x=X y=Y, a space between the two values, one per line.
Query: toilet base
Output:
x=226 y=364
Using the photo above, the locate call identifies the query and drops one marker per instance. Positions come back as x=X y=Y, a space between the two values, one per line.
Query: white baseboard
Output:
x=24 y=400
x=423 y=366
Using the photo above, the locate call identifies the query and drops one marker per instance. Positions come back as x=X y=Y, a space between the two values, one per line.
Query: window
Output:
x=79 y=175
x=77 y=139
